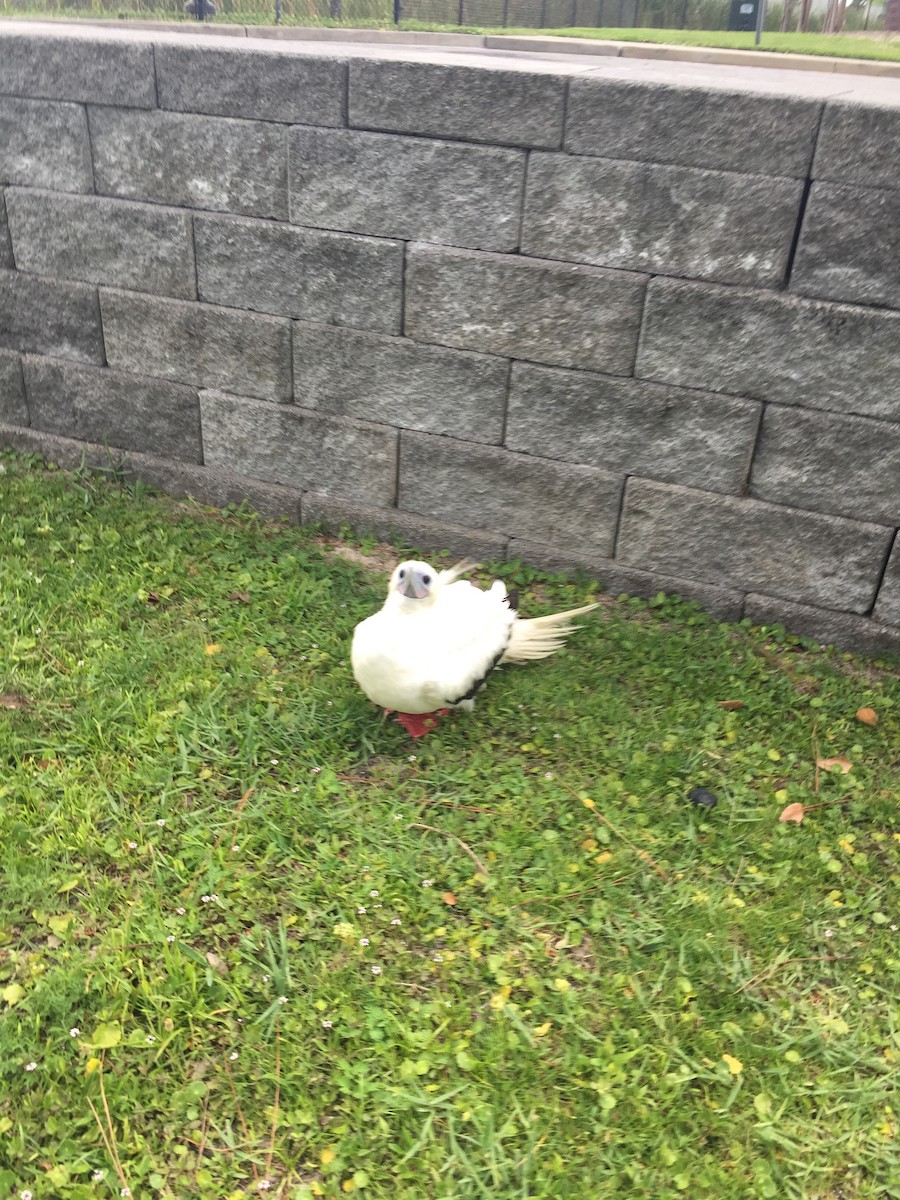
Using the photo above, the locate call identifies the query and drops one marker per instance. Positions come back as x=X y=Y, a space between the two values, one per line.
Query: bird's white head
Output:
x=415 y=583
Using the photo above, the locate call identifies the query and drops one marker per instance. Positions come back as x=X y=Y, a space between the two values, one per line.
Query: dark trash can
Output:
x=742 y=15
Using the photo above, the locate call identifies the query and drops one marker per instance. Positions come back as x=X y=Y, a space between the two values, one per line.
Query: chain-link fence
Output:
x=492 y=14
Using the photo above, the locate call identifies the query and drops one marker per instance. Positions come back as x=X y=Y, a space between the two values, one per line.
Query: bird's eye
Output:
x=402 y=575
x=426 y=579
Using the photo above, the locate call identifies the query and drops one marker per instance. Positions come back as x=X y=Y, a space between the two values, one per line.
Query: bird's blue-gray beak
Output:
x=414 y=586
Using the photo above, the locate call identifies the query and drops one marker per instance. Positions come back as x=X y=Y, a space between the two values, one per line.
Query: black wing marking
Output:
x=479 y=683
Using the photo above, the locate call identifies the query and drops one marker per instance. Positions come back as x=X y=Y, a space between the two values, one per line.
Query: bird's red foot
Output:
x=418 y=724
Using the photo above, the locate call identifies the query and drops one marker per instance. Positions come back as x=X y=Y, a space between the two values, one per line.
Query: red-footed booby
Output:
x=438 y=637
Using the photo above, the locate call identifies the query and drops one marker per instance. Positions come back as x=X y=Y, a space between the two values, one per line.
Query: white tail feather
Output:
x=451 y=574
x=538 y=637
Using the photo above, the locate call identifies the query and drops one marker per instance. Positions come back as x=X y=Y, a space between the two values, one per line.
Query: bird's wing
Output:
x=471 y=631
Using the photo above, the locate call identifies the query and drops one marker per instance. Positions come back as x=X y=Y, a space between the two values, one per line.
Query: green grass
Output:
x=200 y=815
x=782 y=43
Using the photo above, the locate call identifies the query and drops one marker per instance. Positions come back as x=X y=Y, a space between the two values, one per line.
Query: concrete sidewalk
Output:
x=684 y=66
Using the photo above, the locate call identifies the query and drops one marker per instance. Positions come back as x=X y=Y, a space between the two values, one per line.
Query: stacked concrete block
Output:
x=648 y=331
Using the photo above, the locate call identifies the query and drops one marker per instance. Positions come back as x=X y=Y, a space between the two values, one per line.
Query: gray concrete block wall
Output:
x=648 y=331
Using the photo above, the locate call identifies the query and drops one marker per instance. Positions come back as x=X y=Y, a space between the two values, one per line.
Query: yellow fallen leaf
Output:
x=543 y=1030
x=868 y=716
x=603 y=857
x=793 y=812
x=448 y=898
x=348 y=1186
x=13 y=993
x=498 y=1001
x=91 y=1066
x=213 y=648
x=829 y=764
x=561 y=985
x=730 y=705
x=327 y=1156
x=734 y=1065
x=587 y=802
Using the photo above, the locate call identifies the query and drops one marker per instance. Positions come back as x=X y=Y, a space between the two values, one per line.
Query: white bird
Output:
x=438 y=637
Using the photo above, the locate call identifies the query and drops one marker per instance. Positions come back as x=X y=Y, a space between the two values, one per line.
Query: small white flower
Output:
x=233 y=1055
x=439 y=958
x=32 y=1066
x=427 y=883
x=74 y=1032
x=234 y=849
x=379 y=906
x=204 y=899
x=557 y=735
x=274 y=762
x=548 y=774
x=132 y=845
x=361 y=911
x=829 y=933
x=282 y=999
x=170 y=938
x=395 y=921
x=398 y=816
x=329 y=703
x=264 y=1185
x=327 y=1024
x=412 y=758
x=893 y=928
x=533 y=728
x=315 y=645
x=376 y=970
x=373 y=893
x=181 y=911
x=125 y=1192
x=150 y=1039
x=98 y=1176
x=364 y=941
x=160 y=821
x=25 y=1194
x=214 y=898
x=265 y=979
x=295 y=789
x=316 y=770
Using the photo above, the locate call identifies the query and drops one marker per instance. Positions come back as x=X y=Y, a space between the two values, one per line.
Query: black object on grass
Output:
x=703 y=798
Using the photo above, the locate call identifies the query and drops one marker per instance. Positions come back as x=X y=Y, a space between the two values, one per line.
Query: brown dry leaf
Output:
x=448 y=898
x=793 y=812
x=731 y=705
x=13 y=700
x=153 y=597
x=244 y=597
x=218 y=964
x=828 y=764
x=868 y=716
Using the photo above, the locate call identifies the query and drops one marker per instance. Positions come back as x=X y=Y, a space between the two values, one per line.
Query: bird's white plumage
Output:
x=437 y=638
